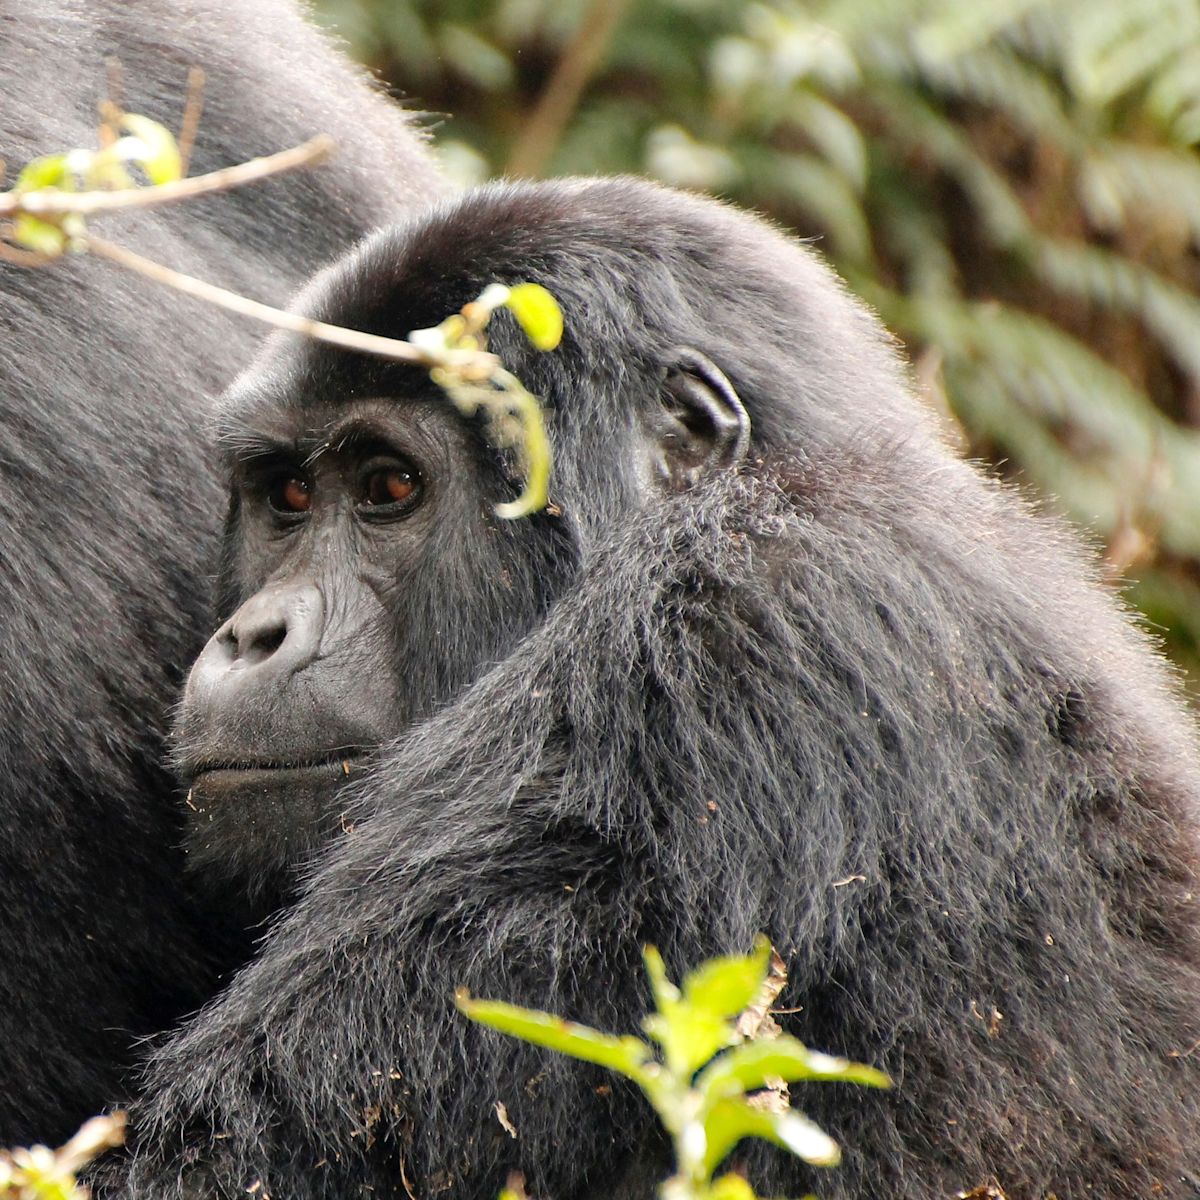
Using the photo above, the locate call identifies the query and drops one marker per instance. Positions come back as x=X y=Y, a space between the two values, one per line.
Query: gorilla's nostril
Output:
x=263 y=643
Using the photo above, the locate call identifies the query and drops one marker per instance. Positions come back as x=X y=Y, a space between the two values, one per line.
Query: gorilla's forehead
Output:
x=299 y=394
x=635 y=267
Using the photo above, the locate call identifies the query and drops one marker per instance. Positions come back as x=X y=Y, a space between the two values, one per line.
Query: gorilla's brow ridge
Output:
x=245 y=445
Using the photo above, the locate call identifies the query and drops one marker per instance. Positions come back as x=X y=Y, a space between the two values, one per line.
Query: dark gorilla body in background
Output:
x=110 y=510
x=852 y=693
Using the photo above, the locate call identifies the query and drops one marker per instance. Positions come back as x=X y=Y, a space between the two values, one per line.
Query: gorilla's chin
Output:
x=254 y=826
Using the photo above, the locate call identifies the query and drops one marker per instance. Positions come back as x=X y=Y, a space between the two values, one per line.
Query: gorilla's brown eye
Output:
x=389 y=485
x=290 y=494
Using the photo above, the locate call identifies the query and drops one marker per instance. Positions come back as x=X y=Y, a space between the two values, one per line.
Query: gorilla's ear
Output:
x=701 y=423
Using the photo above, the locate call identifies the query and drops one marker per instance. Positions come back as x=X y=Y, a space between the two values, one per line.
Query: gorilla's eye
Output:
x=390 y=485
x=289 y=494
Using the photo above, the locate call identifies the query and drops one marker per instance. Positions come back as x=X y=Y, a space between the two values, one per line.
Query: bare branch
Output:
x=23 y=258
x=466 y=362
x=52 y=203
x=110 y=104
x=192 y=109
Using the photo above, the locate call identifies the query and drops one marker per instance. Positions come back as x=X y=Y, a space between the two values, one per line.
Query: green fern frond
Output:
x=1080 y=429
x=1112 y=48
x=994 y=77
x=1111 y=281
x=921 y=130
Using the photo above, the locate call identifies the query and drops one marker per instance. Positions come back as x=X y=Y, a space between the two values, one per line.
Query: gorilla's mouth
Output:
x=242 y=772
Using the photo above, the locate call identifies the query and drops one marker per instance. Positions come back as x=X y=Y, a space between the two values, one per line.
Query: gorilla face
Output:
x=338 y=510
x=287 y=700
x=370 y=582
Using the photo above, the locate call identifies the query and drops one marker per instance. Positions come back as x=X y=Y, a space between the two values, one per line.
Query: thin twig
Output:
x=543 y=129
x=110 y=105
x=52 y=203
x=467 y=361
x=193 y=107
x=94 y=1137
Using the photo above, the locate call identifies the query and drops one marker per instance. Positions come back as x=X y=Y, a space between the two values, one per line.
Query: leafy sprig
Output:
x=40 y=1173
x=46 y=210
x=710 y=1085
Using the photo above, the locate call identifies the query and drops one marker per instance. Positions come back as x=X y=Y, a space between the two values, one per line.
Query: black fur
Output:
x=853 y=694
x=110 y=510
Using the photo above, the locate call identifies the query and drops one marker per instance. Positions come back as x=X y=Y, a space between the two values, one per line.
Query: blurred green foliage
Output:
x=1013 y=185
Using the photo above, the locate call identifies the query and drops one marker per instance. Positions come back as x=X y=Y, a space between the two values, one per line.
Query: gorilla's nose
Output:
x=276 y=633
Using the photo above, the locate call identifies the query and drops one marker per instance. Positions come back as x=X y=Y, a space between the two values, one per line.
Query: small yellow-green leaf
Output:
x=49 y=171
x=535 y=455
x=625 y=1055
x=105 y=170
x=731 y=1186
x=153 y=146
x=724 y=986
x=750 y=1066
x=42 y=237
x=729 y=1121
x=663 y=990
x=689 y=1036
x=538 y=313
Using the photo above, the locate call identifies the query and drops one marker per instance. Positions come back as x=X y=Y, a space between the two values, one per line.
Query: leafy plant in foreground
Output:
x=713 y=1065
x=40 y=1173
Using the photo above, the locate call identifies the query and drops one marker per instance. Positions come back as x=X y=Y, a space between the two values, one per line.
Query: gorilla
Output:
x=772 y=659
x=109 y=505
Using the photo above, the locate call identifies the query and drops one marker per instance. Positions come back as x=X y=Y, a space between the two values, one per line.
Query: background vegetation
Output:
x=1013 y=185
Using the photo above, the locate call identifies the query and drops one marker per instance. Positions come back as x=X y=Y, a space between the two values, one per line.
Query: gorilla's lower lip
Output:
x=242 y=773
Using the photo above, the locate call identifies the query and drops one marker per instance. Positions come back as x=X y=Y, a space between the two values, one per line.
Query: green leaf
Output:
x=731 y=1186
x=153 y=146
x=725 y=986
x=729 y=1121
x=689 y=1036
x=538 y=313
x=625 y=1055
x=752 y=1065
x=693 y=1025
x=42 y=237
x=49 y=171
x=476 y=58
x=840 y=141
x=663 y=990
